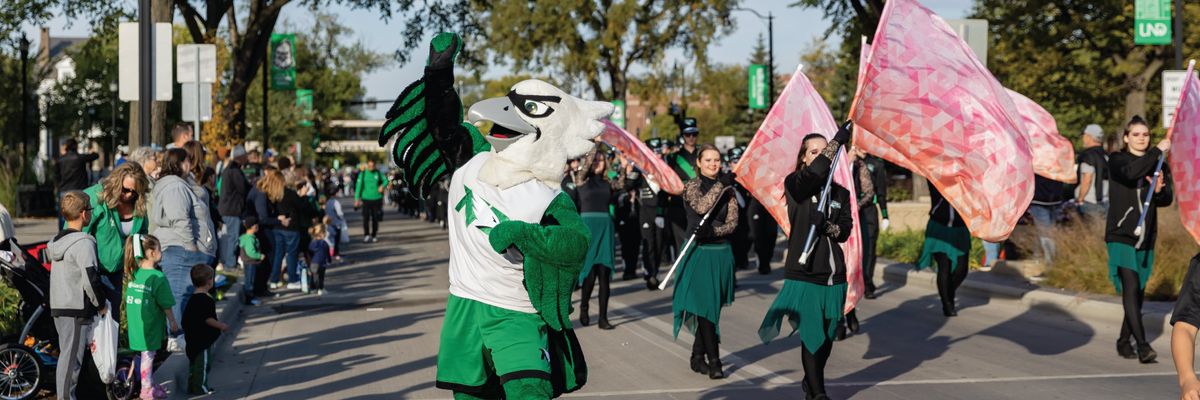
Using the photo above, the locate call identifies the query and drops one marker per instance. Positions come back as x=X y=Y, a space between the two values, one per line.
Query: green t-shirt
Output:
x=146 y=299
x=367 y=187
x=249 y=245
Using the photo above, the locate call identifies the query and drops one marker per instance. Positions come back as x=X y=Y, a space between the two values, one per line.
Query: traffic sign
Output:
x=190 y=57
x=193 y=102
x=1172 y=86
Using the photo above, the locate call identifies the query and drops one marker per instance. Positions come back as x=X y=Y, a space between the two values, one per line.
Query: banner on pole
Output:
x=618 y=115
x=1152 y=22
x=304 y=104
x=758 y=87
x=283 y=61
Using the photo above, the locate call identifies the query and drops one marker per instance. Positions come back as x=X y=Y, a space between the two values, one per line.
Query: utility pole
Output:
x=24 y=134
x=770 y=52
x=1178 y=34
x=266 y=139
x=145 y=72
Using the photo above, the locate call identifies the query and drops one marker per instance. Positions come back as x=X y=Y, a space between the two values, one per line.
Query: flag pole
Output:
x=1162 y=157
x=812 y=228
x=683 y=252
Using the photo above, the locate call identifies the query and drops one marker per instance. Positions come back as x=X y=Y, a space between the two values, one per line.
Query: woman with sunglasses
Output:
x=118 y=210
x=1131 y=256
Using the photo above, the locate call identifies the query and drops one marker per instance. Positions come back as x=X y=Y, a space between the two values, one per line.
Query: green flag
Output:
x=283 y=61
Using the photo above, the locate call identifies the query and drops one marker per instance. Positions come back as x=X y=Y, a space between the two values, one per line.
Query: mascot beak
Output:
x=508 y=126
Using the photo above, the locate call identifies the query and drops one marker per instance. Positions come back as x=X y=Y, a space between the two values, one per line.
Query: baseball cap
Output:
x=1094 y=131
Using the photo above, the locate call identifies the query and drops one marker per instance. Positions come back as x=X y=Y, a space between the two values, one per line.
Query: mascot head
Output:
x=536 y=129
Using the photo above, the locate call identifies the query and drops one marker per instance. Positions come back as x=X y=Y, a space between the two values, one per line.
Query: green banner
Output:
x=618 y=115
x=283 y=61
x=758 y=87
x=1152 y=22
x=304 y=104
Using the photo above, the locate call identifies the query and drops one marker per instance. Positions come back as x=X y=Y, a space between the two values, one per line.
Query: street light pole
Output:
x=770 y=17
x=1178 y=34
x=24 y=47
x=146 y=72
x=112 y=111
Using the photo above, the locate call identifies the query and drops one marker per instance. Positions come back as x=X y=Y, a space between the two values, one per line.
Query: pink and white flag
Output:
x=772 y=155
x=641 y=156
x=924 y=95
x=1053 y=155
x=1185 y=153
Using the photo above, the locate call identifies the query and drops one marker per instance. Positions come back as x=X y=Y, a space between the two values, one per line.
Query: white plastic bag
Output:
x=105 y=331
x=176 y=344
x=303 y=276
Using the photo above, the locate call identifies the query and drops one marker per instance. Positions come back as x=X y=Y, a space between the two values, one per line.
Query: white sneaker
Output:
x=374 y=239
x=367 y=239
x=293 y=285
x=320 y=292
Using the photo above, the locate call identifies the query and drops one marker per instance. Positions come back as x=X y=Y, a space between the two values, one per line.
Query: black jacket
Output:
x=1126 y=190
x=595 y=194
x=72 y=171
x=295 y=208
x=1047 y=192
x=941 y=211
x=234 y=189
x=826 y=264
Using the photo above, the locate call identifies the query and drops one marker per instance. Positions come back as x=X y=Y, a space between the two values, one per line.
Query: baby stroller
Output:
x=28 y=359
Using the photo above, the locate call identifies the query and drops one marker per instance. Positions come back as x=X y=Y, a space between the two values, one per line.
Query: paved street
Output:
x=375 y=336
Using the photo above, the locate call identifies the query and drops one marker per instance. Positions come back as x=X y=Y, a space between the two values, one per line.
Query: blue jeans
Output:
x=287 y=243
x=1044 y=218
x=248 y=271
x=991 y=252
x=228 y=244
x=177 y=266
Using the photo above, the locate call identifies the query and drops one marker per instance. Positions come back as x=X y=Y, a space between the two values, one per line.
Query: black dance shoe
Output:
x=698 y=364
x=715 y=371
x=1146 y=354
x=603 y=324
x=583 y=318
x=852 y=325
x=652 y=283
x=948 y=310
x=871 y=295
x=1125 y=349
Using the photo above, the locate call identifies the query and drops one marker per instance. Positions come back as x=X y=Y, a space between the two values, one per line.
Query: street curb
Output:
x=1097 y=311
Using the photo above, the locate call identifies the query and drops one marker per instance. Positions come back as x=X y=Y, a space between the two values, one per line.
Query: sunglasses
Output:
x=126 y=190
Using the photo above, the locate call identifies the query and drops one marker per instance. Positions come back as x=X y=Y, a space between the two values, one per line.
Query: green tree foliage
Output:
x=331 y=65
x=597 y=41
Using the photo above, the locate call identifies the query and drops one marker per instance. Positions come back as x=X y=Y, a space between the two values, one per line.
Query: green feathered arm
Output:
x=554 y=251
x=425 y=124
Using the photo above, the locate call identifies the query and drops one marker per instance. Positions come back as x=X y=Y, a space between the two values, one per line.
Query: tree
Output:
x=597 y=41
x=1077 y=58
x=853 y=17
x=329 y=64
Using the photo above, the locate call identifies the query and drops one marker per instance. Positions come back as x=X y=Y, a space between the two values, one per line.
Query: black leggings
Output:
x=814 y=368
x=372 y=213
x=651 y=250
x=319 y=282
x=631 y=240
x=1132 y=297
x=949 y=281
x=707 y=342
x=599 y=273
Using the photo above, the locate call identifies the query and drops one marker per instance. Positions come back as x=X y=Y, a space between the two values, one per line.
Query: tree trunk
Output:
x=1136 y=87
x=247 y=61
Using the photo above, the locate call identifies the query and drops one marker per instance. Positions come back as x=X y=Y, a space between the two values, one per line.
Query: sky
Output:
x=795 y=30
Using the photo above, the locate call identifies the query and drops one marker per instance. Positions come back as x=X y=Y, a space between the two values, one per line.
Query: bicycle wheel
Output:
x=20 y=372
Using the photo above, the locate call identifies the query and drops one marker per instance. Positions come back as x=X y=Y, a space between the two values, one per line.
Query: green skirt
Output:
x=705 y=284
x=601 y=249
x=813 y=310
x=1121 y=255
x=954 y=242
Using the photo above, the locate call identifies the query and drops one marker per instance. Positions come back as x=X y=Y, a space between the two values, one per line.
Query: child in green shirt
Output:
x=148 y=303
x=251 y=256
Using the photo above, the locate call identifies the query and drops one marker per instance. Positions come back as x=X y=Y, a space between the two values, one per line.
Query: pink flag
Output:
x=925 y=95
x=1185 y=153
x=1053 y=155
x=868 y=141
x=772 y=155
x=641 y=156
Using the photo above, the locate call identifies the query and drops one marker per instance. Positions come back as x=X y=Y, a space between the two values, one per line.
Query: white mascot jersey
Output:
x=478 y=272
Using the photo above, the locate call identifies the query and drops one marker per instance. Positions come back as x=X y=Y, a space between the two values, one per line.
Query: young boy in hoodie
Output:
x=75 y=289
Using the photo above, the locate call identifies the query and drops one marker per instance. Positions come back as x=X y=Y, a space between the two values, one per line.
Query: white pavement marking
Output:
x=866 y=383
x=759 y=372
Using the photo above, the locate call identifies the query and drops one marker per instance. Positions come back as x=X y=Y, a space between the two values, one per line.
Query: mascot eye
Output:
x=536 y=109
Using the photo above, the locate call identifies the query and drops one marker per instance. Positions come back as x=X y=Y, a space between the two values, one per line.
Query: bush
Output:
x=905 y=246
x=10 y=318
x=1081 y=263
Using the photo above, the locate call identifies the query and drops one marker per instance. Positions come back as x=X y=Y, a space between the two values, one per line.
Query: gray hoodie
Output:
x=178 y=217
x=75 y=288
